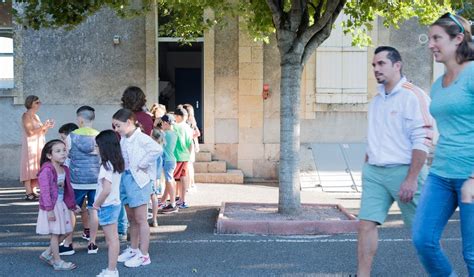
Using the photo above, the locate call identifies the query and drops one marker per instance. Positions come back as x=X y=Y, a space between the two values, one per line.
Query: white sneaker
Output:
x=138 y=260
x=107 y=273
x=127 y=254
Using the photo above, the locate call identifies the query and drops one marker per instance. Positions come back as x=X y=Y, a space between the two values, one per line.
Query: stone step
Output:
x=210 y=167
x=209 y=147
x=234 y=176
x=202 y=156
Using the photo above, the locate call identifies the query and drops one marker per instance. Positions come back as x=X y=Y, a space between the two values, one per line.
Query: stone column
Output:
x=251 y=147
x=151 y=59
x=209 y=91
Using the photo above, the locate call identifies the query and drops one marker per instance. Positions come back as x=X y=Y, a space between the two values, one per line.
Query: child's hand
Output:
x=51 y=216
x=77 y=210
x=467 y=191
x=49 y=123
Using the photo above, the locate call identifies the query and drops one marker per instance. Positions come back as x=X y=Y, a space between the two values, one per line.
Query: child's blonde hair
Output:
x=157 y=107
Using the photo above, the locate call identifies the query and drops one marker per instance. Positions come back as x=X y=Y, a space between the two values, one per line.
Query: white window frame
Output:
x=7 y=32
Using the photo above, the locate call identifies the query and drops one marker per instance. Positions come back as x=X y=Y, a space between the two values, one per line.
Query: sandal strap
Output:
x=63 y=265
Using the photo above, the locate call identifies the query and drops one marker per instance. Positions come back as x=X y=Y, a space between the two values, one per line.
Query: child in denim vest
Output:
x=84 y=167
x=56 y=199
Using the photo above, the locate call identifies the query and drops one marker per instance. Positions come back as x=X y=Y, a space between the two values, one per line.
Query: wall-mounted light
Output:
x=116 y=40
x=266 y=91
x=423 y=39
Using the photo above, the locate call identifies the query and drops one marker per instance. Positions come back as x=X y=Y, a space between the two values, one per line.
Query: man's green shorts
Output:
x=380 y=187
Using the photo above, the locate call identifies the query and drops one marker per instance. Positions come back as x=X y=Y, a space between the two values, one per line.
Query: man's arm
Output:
x=410 y=184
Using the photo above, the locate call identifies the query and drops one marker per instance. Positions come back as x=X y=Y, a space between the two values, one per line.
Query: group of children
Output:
x=117 y=171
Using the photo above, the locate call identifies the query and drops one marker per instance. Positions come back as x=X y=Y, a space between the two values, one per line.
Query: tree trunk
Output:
x=289 y=194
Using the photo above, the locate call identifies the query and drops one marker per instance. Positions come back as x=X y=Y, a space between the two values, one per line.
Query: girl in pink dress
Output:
x=31 y=144
x=56 y=199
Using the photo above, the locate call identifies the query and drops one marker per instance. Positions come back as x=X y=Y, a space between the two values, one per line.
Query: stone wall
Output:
x=83 y=65
x=68 y=69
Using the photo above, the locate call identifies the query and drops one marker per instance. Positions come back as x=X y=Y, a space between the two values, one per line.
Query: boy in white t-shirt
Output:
x=107 y=196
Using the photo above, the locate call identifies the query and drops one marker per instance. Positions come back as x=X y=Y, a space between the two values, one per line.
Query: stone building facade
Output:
x=67 y=69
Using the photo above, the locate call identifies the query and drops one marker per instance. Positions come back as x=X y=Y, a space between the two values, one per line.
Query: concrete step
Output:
x=203 y=156
x=234 y=176
x=210 y=167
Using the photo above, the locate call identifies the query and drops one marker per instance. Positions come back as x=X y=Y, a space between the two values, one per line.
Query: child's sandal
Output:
x=47 y=258
x=62 y=265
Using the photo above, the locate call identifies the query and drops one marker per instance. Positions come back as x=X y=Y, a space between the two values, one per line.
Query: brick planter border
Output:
x=227 y=225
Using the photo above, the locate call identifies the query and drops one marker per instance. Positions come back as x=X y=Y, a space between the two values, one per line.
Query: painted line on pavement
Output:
x=204 y=241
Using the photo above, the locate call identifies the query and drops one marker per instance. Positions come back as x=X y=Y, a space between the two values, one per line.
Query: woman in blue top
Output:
x=452 y=172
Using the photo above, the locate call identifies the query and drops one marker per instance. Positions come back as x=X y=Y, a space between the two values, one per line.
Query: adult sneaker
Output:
x=107 y=273
x=169 y=209
x=92 y=248
x=66 y=250
x=138 y=260
x=127 y=254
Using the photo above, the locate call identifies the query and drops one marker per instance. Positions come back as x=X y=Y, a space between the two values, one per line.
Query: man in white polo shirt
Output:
x=399 y=137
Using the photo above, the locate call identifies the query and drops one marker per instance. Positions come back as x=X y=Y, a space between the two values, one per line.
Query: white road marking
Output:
x=234 y=241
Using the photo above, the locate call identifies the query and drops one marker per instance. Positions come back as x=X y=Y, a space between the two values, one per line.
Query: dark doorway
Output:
x=181 y=71
x=189 y=90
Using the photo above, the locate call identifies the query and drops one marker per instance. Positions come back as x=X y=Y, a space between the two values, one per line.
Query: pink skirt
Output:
x=61 y=226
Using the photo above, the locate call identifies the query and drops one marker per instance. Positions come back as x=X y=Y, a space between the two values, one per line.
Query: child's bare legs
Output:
x=85 y=223
x=133 y=230
x=190 y=174
x=139 y=230
x=111 y=236
x=85 y=215
x=183 y=185
x=171 y=190
x=165 y=194
x=154 y=206
x=178 y=188
x=68 y=236
x=93 y=225
x=54 y=246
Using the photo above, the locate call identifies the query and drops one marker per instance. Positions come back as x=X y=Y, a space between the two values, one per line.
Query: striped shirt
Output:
x=398 y=123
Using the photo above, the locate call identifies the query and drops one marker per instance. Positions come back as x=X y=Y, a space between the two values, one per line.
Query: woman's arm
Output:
x=29 y=127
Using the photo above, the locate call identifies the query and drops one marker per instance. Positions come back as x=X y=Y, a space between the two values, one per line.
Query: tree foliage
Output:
x=185 y=17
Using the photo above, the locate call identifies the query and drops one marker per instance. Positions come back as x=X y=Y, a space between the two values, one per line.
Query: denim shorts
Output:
x=168 y=168
x=159 y=167
x=109 y=214
x=80 y=195
x=131 y=194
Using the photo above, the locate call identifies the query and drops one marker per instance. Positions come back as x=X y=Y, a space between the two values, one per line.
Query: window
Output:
x=341 y=69
x=6 y=44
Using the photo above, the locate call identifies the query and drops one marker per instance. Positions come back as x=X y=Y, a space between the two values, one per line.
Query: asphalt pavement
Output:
x=185 y=243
